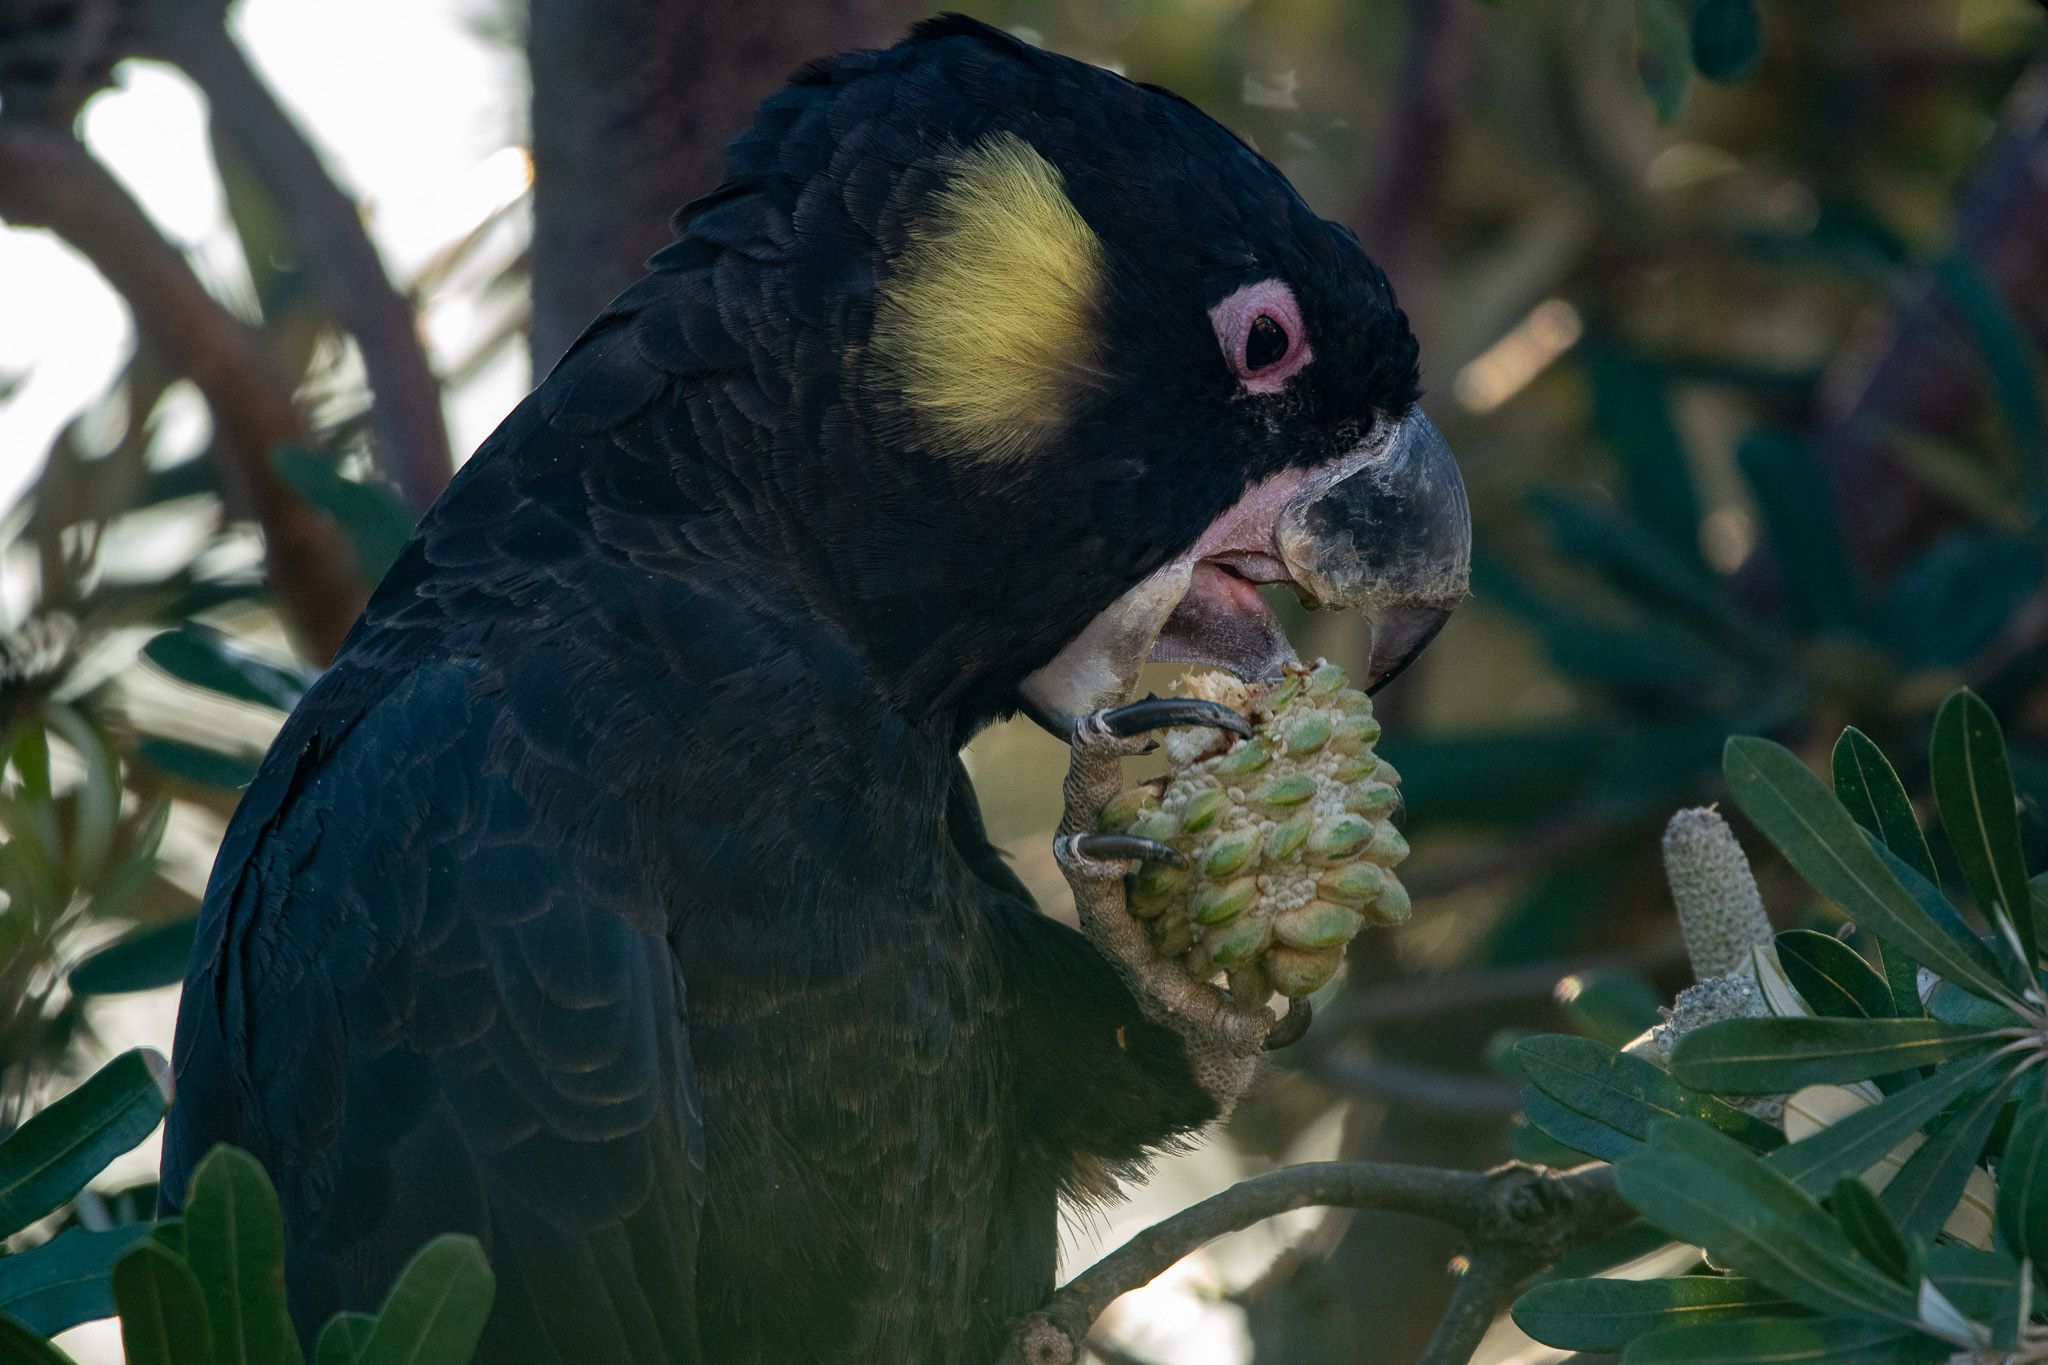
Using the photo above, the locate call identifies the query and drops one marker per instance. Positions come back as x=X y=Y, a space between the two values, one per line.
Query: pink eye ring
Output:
x=1260 y=330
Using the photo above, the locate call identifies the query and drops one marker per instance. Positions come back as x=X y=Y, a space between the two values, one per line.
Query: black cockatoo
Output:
x=618 y=895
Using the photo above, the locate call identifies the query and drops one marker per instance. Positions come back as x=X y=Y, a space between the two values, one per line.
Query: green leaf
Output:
x=1798 y=813
x=205 y=658
x=1816 y=576
x=1727 y=41
x=341 y=1340
x=163 y=1313
x=1774 y=1056
x=1973 y=789
x=201 y=767
x=63 y=1282
x=1785 y=1341
x=1705 y=1188
x=1664 y=58
x=1870 y=1229
x=1573 y=1130
x=20 y=1346
x=234 y=1241
x=2023 y=1185
x=142 y=961
x=1832 y=978
x=373 y=517
x=51 y=1157
x=1925 y=1190
x=1626 y=1093
x=2010 y=361
x=435 y=1314
x=1869 y=788
x=1606 y=1315
x=1632 y=413
x=1855 y=1142
x=1976 y=1281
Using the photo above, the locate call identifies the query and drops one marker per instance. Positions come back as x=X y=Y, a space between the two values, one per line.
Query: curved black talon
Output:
x=1292 y=1025
x=1109 y=848
x=1159 y=713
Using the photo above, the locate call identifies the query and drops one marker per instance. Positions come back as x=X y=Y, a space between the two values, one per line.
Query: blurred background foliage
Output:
x=1733 y=312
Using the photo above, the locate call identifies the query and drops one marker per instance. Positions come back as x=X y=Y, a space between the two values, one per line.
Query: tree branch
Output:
x=1489 y=1281
x=47 y=179
x=410 y=438
x=1518 y=1217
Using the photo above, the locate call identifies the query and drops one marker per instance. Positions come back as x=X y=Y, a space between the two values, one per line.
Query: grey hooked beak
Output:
x=1387 y=533
x=1384 y=530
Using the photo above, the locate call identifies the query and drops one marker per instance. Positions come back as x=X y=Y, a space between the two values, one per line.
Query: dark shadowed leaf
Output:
x=1973 y=788
x=144 y=960
x=163 y=1313
x=1856 y=1142
x=1785 y=1341
x=1775 y=1056
x=1975 y=1281
x=1832 y=978
x=1816 y=574
x=234 y=1242
x=20 y=1346
x=1798 y=813
x=1606 y=1315
x=207 y=659
x=2010 y=360
x=1627 y=1093
x=1870 y=790
x=342 y=1339
x=1705 y=1188
x=1573 y=1130
x=1664 y=57
x=63 y=1282
x=1871 y=1230
x=202 y=767
x=51 y=1157
x=1611 y=1006
x=2023 y=1185
x=373 y=517
x=435 y=1313
x=1925 y=1190
x=1727 y=44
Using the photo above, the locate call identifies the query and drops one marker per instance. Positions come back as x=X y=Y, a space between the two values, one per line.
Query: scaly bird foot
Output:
x=1221 y=1035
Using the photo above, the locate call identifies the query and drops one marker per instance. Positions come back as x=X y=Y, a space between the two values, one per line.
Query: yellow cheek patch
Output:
x=986 y=331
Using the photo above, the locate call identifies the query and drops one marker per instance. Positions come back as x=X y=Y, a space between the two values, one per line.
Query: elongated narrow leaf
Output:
x=208 y=659
x=1798 y=813
x=1775 y=1056
x=342 y=1339
x=1627 y=1093
x=1975 y=1280
x=1817 y=576
x=144 y=960
x=1946 y=918
x=20 y=1346
x=1870 y=790
x=435 y=1314
x=1858 y=1141
x=1924 y=1192
x=1609 y=1006
x=1785 y=1341
x=201 y=767
x=234 y=1242
x=373 y=517
x=63 y=1282
x=2023 y=1185
x=1705 y=1188
x=1973 y=789
x=163 y=1313
x=1832 y=977
x=1606 y=1315
x=1574 y=1130
x=52 y=1156
x=1870 y=1229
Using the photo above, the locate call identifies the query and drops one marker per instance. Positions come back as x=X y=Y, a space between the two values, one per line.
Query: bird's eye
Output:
x=1265 y=345
x=1260 y=331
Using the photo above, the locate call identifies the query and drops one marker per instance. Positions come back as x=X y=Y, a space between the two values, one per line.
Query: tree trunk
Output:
x=633 y=102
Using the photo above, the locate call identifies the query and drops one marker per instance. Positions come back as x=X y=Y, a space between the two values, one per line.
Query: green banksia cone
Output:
x=1288 y=834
